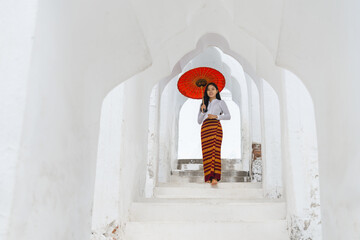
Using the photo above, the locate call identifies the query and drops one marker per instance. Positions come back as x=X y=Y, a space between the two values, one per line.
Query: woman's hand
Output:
x=203 y=107
x=212 y=116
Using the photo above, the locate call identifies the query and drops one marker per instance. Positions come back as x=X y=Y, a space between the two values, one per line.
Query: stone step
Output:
x=208 y=200
x=200 y=179
x=190 y=230
x=200 y=161
x=223 y=185
x=197 y=164
x=207 y=210
x=196 y=173
x=200 y=166
x=207 y=192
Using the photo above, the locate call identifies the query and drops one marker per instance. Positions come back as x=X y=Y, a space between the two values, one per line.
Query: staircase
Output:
x=198 y=211
x=191 y=170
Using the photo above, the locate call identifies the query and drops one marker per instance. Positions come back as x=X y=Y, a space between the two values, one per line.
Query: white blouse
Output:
x=215 y=107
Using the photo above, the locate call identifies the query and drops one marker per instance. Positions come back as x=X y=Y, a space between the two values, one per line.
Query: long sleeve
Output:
x=201 y=116
x=225 y=110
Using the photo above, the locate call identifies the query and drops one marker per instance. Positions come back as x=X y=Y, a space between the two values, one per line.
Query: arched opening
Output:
x=171 y=100
x=189 y=137
x=189 y=159
x=264 y=109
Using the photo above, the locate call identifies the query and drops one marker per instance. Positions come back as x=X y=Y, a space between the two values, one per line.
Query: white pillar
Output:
x=271 y=142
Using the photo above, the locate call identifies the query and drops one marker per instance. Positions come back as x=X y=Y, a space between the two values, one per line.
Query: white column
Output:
x=271 y=142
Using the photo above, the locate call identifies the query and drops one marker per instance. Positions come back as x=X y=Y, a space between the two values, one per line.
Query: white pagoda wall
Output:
x=80 y=53
x=17 y=26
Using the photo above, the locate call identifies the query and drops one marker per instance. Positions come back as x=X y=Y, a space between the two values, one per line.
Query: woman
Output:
x=211 y=132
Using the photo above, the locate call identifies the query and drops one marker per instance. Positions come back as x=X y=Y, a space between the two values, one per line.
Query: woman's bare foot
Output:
x=214 y=181
x=208 y=181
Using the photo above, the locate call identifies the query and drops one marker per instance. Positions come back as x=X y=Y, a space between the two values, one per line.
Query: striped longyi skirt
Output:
x=211 y=139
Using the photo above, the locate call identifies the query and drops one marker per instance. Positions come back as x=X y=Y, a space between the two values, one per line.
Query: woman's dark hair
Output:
x=206 y=96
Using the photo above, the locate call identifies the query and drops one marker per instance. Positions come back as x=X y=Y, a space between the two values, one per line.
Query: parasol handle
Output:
x=202 y=94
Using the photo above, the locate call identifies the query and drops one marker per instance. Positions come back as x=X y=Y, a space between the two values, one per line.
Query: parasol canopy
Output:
x=193 y=82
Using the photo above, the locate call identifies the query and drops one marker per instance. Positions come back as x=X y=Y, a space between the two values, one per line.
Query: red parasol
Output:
x=192 y=82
